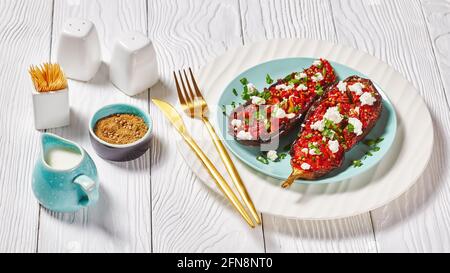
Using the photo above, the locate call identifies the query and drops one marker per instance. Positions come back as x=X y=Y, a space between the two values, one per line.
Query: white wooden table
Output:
x=156 y=204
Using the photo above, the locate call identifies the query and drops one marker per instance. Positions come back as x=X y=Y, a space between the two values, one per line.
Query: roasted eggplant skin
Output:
x=367 y=114
x=294 y=123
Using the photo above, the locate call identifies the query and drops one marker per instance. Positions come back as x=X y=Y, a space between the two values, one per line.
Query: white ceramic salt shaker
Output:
x=79 y=51
x=51 y=109
x=133 y=67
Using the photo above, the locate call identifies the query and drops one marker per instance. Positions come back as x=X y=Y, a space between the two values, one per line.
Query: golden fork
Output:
x=195 y=106
x=176 y=120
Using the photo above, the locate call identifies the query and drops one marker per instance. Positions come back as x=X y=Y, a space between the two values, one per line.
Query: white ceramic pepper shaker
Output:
x=79 y=51
x=133 y=67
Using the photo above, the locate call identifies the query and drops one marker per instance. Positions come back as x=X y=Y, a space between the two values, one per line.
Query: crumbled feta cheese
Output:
x=317 y=63
x=236 y=123
x=302 y=87
x=317 y=77
x=300 y=75
x=318 y=125
x=281 y=86
x=303 y=125
x=342 y=86
x=290 y=115
x=333 y=114
x=367 y=99
x=314 y=152
x=305 y=150
x=333 y=145
x=272 y=155
x=244 y=135
x=305 y=166
x=357 y=125
x=258 y=100
x=357 y=88
x=251 y=88
x=278 y=112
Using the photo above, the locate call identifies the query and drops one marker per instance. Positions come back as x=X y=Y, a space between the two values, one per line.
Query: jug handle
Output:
x=88 y=186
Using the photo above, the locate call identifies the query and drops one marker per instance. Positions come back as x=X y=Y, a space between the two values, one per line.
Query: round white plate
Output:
x=394 y=175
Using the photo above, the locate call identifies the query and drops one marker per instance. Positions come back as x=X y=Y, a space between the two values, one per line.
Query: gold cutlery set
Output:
x=195 y=106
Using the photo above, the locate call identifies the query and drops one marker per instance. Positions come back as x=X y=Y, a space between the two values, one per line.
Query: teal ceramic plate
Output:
x=385 y=128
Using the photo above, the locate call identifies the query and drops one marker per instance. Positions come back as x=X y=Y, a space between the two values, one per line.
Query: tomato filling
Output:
x=335 y=125
x=271 y=110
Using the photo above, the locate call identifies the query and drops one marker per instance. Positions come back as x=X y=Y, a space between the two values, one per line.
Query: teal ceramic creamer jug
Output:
x=65 y=177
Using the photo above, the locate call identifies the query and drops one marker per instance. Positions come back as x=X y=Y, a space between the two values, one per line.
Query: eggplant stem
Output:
x=292 y=177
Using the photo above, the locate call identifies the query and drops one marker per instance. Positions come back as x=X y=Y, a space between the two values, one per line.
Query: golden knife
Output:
x=174 y=117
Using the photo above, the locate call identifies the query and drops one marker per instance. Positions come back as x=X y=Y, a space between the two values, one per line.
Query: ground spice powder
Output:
x=120 y=128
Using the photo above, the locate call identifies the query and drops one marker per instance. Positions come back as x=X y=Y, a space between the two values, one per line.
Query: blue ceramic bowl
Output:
x=120 y=152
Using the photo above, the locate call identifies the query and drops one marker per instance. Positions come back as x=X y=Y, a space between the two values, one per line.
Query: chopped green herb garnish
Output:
x=244 y=81
x=265 y=94
x=370 y=142
x=262 y=159
x=328 y=133
x=288 y=77
x=319 y=90
x=294 y=81
x=297 y=108
x=373 y=142
x=245 y=95
x=269 y=80
x=235 y=92
x=357 y=163
x=233 y=104
x=315 y=148
x=328 y=123
x=324 y=72
x=350 y=128
x=308 y=136
x=224 y=110
x=280 y=157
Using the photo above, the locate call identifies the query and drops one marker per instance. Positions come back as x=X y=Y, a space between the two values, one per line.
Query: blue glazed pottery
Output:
x=120 y=152
x=385 y=128
x=64 y=190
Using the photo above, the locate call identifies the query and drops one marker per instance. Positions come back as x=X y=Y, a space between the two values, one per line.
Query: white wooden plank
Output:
x=436 y=14
x=395 y=32
x=187 y=216
x=303 y=19
x=24 y=40
x=121 y=220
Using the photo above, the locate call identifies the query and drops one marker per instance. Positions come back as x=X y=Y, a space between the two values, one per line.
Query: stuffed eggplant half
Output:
x=278 y=109
x=334 y=124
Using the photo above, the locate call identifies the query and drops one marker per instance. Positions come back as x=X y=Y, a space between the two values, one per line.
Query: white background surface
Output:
x=156 y=203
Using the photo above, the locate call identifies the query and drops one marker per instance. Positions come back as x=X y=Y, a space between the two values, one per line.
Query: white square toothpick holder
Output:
x=133 y=67
x=51 y=109
x=79 y=51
